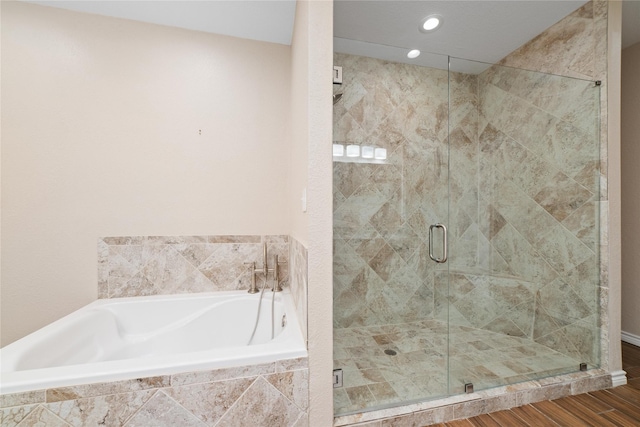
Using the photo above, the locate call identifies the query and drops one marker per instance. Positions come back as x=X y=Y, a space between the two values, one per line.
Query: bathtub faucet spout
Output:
x=265 y=270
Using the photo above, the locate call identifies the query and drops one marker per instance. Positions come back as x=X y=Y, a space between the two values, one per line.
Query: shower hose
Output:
x=255 y=326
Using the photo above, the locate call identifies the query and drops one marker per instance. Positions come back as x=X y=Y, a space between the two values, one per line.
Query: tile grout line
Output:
x=124 y=423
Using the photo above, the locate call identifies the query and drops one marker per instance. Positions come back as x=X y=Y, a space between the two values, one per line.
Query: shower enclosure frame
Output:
x=466 y=381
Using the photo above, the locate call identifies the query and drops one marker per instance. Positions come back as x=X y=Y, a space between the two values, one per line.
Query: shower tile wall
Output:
x=382 y=212
x=155 y=265
x=577 y=47
x=518 y=187
x=539 y=170
x=522 y=198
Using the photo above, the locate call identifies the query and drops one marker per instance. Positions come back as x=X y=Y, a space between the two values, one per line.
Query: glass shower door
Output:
x=390 y=336
x=523 y=232
x=466 y=234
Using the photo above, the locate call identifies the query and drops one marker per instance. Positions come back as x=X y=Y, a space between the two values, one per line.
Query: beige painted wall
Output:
x=610 y=231
x=299 y=124
x=630 y=127
x=112 y=127
x=312 y=52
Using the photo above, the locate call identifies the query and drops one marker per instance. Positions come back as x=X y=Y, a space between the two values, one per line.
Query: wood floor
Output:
x=618 y=406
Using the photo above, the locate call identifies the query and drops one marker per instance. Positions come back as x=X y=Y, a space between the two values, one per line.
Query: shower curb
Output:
x=483 y=402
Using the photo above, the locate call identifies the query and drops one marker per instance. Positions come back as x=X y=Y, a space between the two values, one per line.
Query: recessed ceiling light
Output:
x=431 y=23
x=413 y=54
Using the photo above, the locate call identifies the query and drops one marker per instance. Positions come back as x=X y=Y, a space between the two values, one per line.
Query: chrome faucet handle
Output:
x=253 y=289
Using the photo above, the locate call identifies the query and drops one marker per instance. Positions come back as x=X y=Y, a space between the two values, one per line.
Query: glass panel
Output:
x=506 y=159
x=390 y=311
x=524 y=238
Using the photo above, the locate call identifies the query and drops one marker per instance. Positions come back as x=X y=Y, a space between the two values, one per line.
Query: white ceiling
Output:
x=479 y=30
x=265 y=20
x=482 y=30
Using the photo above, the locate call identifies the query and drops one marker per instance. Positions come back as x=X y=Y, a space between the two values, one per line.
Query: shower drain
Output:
x=390 y=352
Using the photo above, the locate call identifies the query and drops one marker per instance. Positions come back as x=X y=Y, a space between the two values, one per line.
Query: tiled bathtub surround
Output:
x=269 y=394
x=298 y=280
x=154 y=265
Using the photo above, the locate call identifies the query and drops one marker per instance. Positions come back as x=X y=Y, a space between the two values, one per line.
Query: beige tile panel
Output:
x=112 y=410
x=12 y=416
x=294 y=385
x=42 y=417
x=261 y=404
x=292 y=364
x=153 y=265
x=222 y=374
x=102 y=389
x=277 y=390
x=210 y=401
x=18 y=399
x=162 y=411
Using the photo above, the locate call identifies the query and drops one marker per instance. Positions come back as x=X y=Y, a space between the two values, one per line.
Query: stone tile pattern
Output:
x=495 y=399
x=156 y=265
x=577 y=47
x=298 y=267
x=268 y=394
x=418 y=370
x=539 y=205
x=523 y=204
x=570 y=145
x=381 y=217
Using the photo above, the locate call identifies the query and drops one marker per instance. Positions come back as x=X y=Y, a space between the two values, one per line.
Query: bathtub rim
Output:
x=288 y=345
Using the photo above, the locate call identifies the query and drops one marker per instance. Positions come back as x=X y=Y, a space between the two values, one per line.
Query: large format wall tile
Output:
x=137 y=266
x=42 y=417
x=261 y=404
x=113 y=409
x=527 y=209
x=162 y=411
x=538 y=152
x=517 y=185
x=269 y=394
x=210 y=401
x=540 y=157
x=381 y=219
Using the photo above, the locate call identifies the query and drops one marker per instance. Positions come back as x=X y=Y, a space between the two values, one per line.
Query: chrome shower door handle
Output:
x=444 y=243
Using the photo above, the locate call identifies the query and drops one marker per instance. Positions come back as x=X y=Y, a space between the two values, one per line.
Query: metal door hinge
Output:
x=337 y=75
x=337 y=378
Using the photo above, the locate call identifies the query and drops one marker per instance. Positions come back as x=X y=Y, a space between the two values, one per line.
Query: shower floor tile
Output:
x=375 y=379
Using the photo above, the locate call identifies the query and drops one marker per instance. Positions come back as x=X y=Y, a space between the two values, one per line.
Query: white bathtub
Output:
x=127 y=338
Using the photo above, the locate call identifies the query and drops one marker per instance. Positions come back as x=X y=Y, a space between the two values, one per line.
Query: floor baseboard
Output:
x=630 y=338
x=618 y=378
